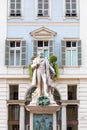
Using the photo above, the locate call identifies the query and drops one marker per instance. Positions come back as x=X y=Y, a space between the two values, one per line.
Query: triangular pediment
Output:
x=43 y=33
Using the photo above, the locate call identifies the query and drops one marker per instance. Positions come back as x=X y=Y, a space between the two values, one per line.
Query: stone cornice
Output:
x=43 y=109
x=70 y=102
x=19 y=102
x=43 y=23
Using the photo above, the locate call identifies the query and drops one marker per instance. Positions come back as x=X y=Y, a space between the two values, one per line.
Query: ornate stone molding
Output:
x=43 y=109
x=43 y=33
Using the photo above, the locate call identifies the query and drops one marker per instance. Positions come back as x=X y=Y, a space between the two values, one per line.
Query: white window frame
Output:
x=49 y=10
x=15 y=49
x=77 y=10
x=16 y=17
x=71 y=49
x=44 y=47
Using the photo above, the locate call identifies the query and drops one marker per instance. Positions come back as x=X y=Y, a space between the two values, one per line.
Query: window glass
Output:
x=43 y=7
x=70 y=8
x=40 y=43
x=74 y=59
x=15 y=7
x=13 y=92
x=43 y=46
x=15 y=52
x=17 y=57
x=46 y=54
x=73 y=44
x=46 y=43
x=68 y=44
x=12 y=57
x=71 y=53
x=13 y=112
x=12 y=44
x=68 y=57
x=17 y=44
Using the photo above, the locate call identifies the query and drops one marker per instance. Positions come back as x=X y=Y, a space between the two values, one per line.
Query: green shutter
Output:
x=35 y=44
x=63 y=46
x=79 y=52
x=23 y=53
x=50 y=48
x=7 y=52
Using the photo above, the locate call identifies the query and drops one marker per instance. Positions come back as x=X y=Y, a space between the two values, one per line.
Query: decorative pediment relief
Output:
x=43 y=33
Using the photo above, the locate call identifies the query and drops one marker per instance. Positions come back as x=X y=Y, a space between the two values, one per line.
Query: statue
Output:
x=41 y=76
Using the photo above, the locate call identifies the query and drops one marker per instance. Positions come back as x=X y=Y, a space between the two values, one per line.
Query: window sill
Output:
x=69 y=67
x=71 y=17
x=70 y=102
x=11 y=102
x=43 y=17
x=22 y=66
x=13 y=17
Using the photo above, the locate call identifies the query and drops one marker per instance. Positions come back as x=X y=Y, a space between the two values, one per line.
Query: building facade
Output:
x=54 y=27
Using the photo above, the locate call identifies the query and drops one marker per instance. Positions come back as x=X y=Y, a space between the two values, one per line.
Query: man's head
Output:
x=40 y=54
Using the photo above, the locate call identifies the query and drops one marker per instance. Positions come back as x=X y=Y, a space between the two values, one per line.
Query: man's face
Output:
x=41 y=55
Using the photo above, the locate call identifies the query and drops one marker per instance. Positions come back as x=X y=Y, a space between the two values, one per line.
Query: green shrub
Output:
x=53 y=60
x=30 y=72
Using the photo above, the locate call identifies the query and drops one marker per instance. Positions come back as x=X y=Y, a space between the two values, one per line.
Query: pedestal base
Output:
x=43 y=109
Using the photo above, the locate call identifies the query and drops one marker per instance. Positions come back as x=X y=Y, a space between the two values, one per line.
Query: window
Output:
x=15 y=8
x=72 y=92
x=15 y=53
x=71 y=53
x=44 y=46
x=72 y=117
x=13 y=92
x=13 y=112
x=27 y=120
x=71 y=8
x=13 y=117
x=43 y=8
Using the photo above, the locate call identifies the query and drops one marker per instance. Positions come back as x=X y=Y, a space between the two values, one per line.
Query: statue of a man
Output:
x=41 y=75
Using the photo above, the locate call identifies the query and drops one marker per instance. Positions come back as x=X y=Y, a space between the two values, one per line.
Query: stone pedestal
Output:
x=48 y=113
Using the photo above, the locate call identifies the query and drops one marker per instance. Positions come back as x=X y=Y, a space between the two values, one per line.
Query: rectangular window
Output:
x=13 y=112
x=13 y=117
x=15 y=53
x=71 y=8
x=13 y=92
x=72 y=92
x=43 y=8
x=72 y=117
x=44 y=46
x=71 y=53
x=27 y=120
x=15 y=8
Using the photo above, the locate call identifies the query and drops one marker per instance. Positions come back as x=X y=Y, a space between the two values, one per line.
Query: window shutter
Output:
x=50 y=48
x=35 y=44
x=79 y=52
x=23 y=53
x=63 y=46
x=7 y=53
